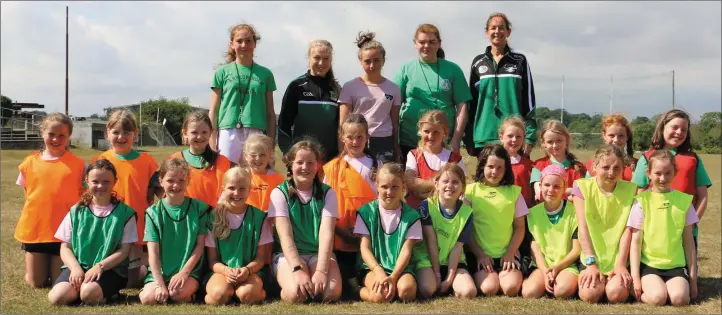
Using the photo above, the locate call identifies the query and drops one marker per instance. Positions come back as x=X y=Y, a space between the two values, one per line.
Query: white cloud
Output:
x=126 y=52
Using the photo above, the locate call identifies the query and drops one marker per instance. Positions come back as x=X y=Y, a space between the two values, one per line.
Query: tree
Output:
x=173 y=110
x=640 y=120
x=710 y=130
x=6 y=110
x=642 y=135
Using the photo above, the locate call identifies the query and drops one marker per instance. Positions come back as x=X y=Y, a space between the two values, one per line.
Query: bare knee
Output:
x=564 y=290
x=678 y=298
x=34 y=281
x=147 y=297
x=60 y=296
x=490 y=286
x=590 y=295
x=532 y=290
x=292 y=296
x=91 y=293
x=251 y=297
x=407 y=293
x=511 y=284
x=427 y=289
x=333 y=293
x=218 y=295
x=466 y=292
x=617 y=295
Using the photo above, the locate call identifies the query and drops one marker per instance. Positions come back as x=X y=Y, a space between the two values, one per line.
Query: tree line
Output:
x=706 y=134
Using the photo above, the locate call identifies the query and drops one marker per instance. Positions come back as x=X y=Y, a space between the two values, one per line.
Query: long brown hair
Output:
x=452 y=168
x=208 y=156
x=662 y=155
x=231 y=53
x=86 y=199
x=290 y=156
x=658 y=136
x=498 y=151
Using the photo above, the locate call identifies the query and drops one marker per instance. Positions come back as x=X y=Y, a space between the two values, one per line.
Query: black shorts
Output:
x=473 y=268
x=382 y=148
x=347 y=263
x=665 y=274
x=42 y=248
x=110 y=282
x=444 y=270
x=404 y=152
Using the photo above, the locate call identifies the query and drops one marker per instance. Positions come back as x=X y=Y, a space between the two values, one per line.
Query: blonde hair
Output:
x=123 y=117
x=513 y=121
x=608 y=150
x=452 y=168
x=56 y=118
x=231 y=53
x=434 y=117
x=221 y=228
x=557 y=127
x=329 y=75
x=173 y=164
x=662 y=155
x=394 y=169
x=262 y=141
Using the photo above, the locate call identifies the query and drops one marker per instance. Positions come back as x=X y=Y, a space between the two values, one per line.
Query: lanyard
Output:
x=438 y=77
x=248 y=87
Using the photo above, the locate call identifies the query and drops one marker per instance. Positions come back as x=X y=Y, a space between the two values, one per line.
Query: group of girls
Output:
x=357 y=225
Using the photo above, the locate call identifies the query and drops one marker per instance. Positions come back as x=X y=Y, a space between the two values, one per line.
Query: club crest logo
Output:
x=445 y=85
x=389 y=97
x=483 y=69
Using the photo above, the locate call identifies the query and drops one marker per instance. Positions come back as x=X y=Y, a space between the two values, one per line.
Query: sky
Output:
x=618 y=54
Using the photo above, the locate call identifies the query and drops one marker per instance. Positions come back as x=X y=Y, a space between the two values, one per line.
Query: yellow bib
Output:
x=665 y=216
x=493 y=210
x=555 y=240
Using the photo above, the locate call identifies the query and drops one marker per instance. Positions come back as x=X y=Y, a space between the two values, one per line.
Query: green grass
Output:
x=17 y=297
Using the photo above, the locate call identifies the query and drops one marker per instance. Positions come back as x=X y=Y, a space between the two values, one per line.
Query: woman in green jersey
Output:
x=602 y=205
x=175 y=230
x=430 y=82
x=304 y=212
x=96 y=238
x=447 y=225
x=238 y=239
x=388 y=229
x=554 y=244
x=663 y=247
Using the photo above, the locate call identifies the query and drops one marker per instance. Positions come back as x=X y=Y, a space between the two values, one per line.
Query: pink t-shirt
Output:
x=65 y=230
x=636 y=216
x=234 y=222
x=374 y=102
x=390 y=221
x=279 y=206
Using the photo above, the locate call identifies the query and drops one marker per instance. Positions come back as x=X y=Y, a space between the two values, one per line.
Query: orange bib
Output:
x=133 y=181
x=51 y=188
x=261 y=187
x=206 y=184
x=352 y=190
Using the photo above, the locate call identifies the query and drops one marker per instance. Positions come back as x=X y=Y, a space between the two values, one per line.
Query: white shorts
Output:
x=307 y=260
x=231 y=141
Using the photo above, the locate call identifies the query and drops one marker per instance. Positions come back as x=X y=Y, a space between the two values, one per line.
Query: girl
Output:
x=662 y=244
x=237 y=244
x=388 y=229
x=602 y=206
x=511 y=135
x=136 y=171
x=207 y=166
x=555 y=139
x=310 y=104
x=304 y=212
x=427 y=83
x=374 y=97
x=499 y=224
x=617 y=131
x=351 y=175
x=242 y=98
x=258 y=157
x=52 y=180
x=672 y=133
x=501 y=85
x=175 y=233
x=555 y=247
x=97 y=235
x=447 y=224
x=423 y=162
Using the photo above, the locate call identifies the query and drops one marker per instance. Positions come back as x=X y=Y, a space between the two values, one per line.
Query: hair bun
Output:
x=364 y=37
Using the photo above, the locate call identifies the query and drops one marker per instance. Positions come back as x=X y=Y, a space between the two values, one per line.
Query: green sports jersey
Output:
x=386 y=247
x=427 y=86
x=247 y=85
x=305 y=220
x=95 y=238
x=448 y=230
x=240 y=247
x=176 y=230
x=499 y=91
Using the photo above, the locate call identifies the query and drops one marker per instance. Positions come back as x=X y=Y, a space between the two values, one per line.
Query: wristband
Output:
x=321 y=271
x=248 y=269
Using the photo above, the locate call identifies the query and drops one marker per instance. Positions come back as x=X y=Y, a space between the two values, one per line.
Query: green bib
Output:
x=305 y=220
x=95 y=238
x=386 y=247
x=493 y=209
x=606 y=218
x=240 y=247
x=555 y=240
x=447 y=230
x=177 y=229
x=665 y=216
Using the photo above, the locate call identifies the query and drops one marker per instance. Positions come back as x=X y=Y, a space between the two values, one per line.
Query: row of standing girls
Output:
x=307 y=263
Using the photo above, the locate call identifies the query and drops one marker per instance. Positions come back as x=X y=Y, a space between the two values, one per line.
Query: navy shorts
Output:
x=110 y=282
x=42 y=248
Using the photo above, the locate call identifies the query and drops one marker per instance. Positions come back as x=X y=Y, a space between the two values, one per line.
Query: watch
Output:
x=590 y=260
x=297 y=268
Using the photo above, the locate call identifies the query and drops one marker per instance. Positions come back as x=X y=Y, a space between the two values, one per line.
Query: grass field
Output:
x=17 y=297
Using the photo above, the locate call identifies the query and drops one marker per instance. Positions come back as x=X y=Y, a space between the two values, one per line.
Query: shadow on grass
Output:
x=709 y=289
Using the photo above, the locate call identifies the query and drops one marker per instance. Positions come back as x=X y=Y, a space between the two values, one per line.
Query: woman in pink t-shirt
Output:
x=374 y=97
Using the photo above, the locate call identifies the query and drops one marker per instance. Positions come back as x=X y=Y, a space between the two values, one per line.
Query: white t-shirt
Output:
x=65 y=230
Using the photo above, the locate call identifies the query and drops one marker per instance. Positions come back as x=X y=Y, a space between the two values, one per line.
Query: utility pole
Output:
x=562 y=113
x=611 y=94
x=66 y=61
x=673 y=100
